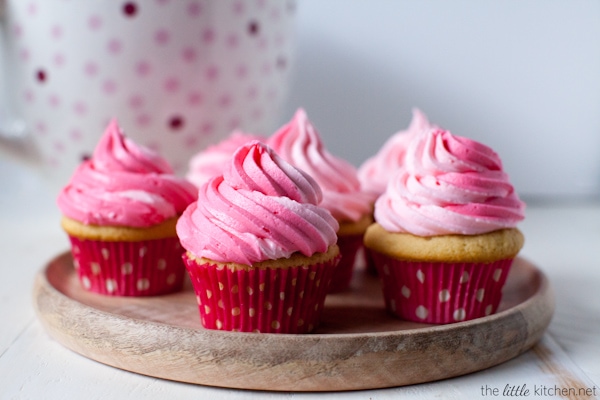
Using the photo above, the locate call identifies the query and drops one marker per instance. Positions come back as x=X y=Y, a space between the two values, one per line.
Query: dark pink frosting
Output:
x=124 y=184
x=261 y=208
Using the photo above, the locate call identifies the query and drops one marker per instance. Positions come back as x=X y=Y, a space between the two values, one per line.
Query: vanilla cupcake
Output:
x=210 y=162
x=120 y=209
x=445 y=234
x=260 y=251
x=299 y=143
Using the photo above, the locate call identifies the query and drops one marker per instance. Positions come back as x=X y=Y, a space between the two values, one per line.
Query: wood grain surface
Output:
x=358 y=345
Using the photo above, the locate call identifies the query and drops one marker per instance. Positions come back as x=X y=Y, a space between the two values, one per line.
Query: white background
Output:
x=520 y=76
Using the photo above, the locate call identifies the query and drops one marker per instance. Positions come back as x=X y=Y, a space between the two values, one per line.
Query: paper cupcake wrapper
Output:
x=266 y=300
x=441 y=293
x=145 y=268
x=350 y=246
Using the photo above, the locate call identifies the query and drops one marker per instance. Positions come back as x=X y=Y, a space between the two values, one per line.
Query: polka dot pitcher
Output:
x=177 y=74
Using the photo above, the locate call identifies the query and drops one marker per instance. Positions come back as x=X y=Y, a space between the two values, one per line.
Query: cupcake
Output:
x=445 y=233
x=299 y=143
x=120 y=209
x=210 y=161
x=259 y=250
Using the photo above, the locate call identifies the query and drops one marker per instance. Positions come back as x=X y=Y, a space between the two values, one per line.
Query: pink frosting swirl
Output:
x=210 y=162
x=124 y=184
x=261 y=208
x=299 y=143
x=449 y=185
x=377 y=170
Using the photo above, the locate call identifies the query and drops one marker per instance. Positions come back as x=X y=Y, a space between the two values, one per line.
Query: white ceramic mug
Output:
x=177 y=74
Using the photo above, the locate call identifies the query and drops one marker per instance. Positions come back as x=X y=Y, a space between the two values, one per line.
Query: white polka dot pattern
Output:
x=119 y=269
x=441 y=293
x=275 y=300
x=421 y=312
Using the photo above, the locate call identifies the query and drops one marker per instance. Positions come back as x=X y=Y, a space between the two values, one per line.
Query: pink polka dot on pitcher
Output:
x=59 y=59
x=143 y=120
x=29 y=96
x=253 y=28
x=234 y=123
x=32 y=9
x=194 y=98
x=281 y=63
x=191 y=141
x=212 y=73
x=194 y=9
x=161 y=37
x=188 y=54
x=142 y=68
x=94 y=22
x=136 y=101
x=90 y=68
x=238 y=8
x=80 y=108
x=130 y=9
x=109 y=87
x=56 y=32
x=54 y=100
x=41 y=75
x=114 y=46
x=208 y=35
x=24 y=55
x=176 y=122
x=75 y=134
x=241 y=71
x=18 y=30
x=225 y=101
x=207 y=128
x=233 y=41
x=171 y=85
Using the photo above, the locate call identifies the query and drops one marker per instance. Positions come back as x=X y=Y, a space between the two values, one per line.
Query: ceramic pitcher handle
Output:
x=13 y=132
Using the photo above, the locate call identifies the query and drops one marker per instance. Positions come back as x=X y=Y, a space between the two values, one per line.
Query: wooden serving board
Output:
x=357 y=346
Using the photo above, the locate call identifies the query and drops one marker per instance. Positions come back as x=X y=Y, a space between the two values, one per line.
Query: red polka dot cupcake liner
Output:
x=350 y=250
x=441 y=293
x=144 y=268
x=262 y=300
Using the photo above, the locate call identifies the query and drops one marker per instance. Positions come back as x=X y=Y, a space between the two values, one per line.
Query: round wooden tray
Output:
x=357 y=346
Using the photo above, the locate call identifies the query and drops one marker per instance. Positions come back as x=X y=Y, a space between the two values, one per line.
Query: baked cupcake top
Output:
x=124 y=184
x=375 y=172
x=261 y=208
x=299 y=143
x=211 y=161
x=449 y=185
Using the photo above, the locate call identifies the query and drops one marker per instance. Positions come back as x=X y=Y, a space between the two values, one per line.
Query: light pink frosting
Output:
x=299 y=143
x=261 y=208
x=211 y=161
x=377 y=170
x=124 y=184
x=449 y=185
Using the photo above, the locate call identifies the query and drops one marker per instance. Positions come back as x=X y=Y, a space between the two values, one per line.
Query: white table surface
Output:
x=563 y=239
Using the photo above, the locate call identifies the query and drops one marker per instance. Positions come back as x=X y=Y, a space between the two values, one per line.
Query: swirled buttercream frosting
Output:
x=124 y=184
x=211 y=161
x=449 y=185
x=375 y=172
x=260 y=208
x=299 y=143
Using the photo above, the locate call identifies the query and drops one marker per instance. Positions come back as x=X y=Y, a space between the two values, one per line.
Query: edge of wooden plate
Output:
x=275 y=362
